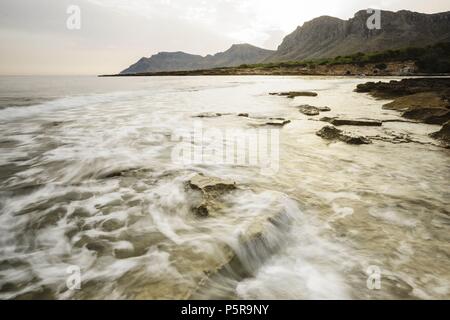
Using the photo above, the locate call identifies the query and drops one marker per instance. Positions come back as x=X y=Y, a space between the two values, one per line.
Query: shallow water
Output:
x=87 y=179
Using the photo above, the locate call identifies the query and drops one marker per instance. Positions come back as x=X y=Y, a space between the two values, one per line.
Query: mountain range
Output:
x=322 y=37
x=180 y=61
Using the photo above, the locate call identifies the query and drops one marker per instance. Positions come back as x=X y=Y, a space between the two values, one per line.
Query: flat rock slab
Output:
x=308 y=110
x=207 y=184
x=428 y=115
x=333 y=133
x=208 y=115
x=324 y=109
x=211 y=188
x=352 y=122
x=277 y=122
x=293 y=94
x=418 y=101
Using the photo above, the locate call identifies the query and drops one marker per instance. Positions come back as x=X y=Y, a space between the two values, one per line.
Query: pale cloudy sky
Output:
x=34 y=38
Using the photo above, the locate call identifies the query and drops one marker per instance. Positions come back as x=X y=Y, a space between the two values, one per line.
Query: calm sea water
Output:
x=88 y=181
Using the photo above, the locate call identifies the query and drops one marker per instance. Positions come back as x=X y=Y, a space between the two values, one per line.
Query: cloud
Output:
x=115 y=33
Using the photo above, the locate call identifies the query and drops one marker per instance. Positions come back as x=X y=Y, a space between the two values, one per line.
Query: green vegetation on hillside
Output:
x=434 y=59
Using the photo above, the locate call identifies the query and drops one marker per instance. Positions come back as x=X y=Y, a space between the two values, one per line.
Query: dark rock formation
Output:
x=395 y=89
x=327 y=37
x=352 y=122
x=308 y=110
x=428 y=115
x=443 y=135
x=293 y=94
x=425 y=99
x=208 y=115
x=333 y=133
x=280 y=122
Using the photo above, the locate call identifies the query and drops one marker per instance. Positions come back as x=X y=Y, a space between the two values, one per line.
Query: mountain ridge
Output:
x=327 y=37
x=180 y=61
x=321 y=37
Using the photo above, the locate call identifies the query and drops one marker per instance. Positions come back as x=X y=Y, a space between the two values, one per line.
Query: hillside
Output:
x=236 y=55
x=326 y=37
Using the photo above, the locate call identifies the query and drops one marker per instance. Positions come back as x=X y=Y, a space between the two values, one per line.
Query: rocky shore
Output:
x=425 y=100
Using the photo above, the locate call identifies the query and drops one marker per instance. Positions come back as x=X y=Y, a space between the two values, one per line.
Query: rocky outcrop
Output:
x=333 y=133
x=236 y=55
x=443 y=135
x=425 y=99
x=428 y=115
x=428 y=107
x=327 y=37
x=352 y=122
x=308 y=110
x=279 y=122
x=395 y=89
x=211 y=188
x=262 y=121
x=293 y=94
x=208 y=115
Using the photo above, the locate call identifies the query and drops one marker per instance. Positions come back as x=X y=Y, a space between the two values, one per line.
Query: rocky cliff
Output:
x=326 y=37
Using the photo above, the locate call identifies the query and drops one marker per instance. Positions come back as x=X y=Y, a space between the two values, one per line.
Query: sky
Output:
x=112 y=34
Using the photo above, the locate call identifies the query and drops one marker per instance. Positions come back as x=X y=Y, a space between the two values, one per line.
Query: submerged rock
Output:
x=308 y=110
x=277 y=122
x=352 y=122
x=333 y=133
x=293 y=94
x=208 y=115
x=443 y=135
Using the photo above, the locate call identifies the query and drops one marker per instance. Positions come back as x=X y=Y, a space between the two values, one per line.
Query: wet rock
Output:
x=354 y=139
x=211 y=184
x=428 y=115
x=333 y=133
x=293 y=94
x=428 y=107
x=308 y=110
x=352 y=122
x=405 y=87
x=277 y=122
x=393 y=137
x=443 y=135
x=329 y=133
x=243 y=115
x=417 y=101
x=211 y=188
x=426 y=100
x=208 y=115
x=324 y=109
